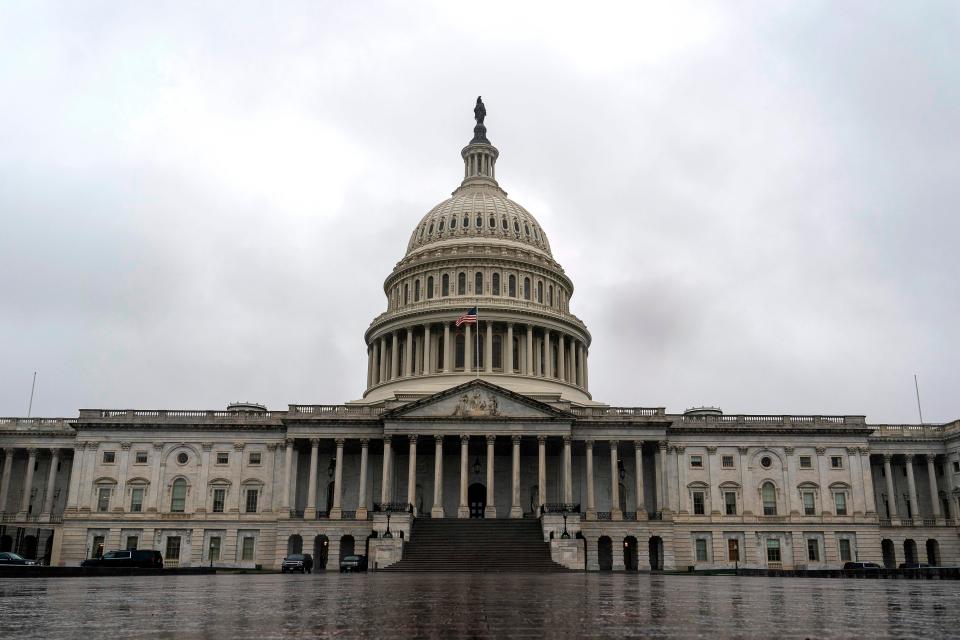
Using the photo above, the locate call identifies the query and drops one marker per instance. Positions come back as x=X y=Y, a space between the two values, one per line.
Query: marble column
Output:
x=891 y=494
x=934 y=490
x=408 y=354
x=912 y=489
x=412 y=473
x=394 y=355
x=508 y=363
x=868 y=495
x=516 y=511
x=561 y=357
x=362 y=492
x=547 y=355
x=468 y=348
x=615 y=512
x=641 y=494
x=488 y=348
x=541 y=472
x=664 y=475
x=575 y=362
x=8 y=468
x=446 y=347
x=384 y=363
x=791 y=486
x=287 y=469
x=28 y=482
x=491 y=509
x=427 y=362
x=369 y=366
x=310 y=512
x=51 y=482
x=157 y=467
x=528 y=346
x=437 y=510
x=386 y=490
x=463 y=510
x=567 y=470
x=336 y=511
x=591 y=499
x=121 y=489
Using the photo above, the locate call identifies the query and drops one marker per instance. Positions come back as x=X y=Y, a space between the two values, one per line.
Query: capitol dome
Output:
x=478 y=250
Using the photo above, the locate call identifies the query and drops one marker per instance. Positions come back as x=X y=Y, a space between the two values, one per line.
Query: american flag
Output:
x=470 y=317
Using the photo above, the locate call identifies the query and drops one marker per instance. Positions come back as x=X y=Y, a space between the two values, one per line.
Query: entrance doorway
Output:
x=889 y=554
x=294 y=544
x=933 y=553
x=656 y=553
x=733 y=550
x=605 y=553
x=630 y=553
x=909 y=551
x=477 y=499
x=321 y=546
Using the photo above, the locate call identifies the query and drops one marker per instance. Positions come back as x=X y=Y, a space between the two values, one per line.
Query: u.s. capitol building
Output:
x=493 y=420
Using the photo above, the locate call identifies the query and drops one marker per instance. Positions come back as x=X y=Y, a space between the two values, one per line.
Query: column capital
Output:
x=888 y=458
x=56 y=452
x=238 y=446
x=438 y=438
x=491 y=438
x=206 y=446
x=662 y=445
x=125 y=446
x=464 y=438
x=713 y=450
x=340 y=442
x=412 y=437
x=931 y=458
x=364 y=442
x=679 y=449
x=638 y=445
x=589 y=444
x=516 y=440
x=909 y=457
x=541 y=439
x=852 y=451
x=157 y=446
x=288 y=442
x=821 y=450
x=614 y=444
x=788 y=450
x=314 y=442
x=272 y=446
x=865 y=451
x=386 y=439
x=567 y=440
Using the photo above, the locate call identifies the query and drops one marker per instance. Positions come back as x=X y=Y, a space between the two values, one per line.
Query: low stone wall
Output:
x=92 y=572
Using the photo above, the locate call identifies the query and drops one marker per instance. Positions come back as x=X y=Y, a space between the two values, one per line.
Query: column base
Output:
x=591 y=514
x=437 y=512
x=616 y=514
x=361 y=513
x=309 y=514
x=336 y=513
x=516 y=512
x=642 y=515
x=490 y=512
x=463 y=512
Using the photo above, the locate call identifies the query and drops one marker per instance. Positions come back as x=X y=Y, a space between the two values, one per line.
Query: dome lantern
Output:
x=479 y=157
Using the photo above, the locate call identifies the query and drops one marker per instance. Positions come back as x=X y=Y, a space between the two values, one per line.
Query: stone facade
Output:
x=493 y=419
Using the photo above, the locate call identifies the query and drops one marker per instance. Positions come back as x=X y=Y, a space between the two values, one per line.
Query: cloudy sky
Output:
x=758 y=203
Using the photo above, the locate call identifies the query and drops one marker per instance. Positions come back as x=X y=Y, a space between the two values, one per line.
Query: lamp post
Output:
x=387 y=533
x=565 y=535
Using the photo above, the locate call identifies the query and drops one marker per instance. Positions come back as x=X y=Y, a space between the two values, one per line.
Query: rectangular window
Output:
x=701 y=546
x=132 y=542
x=252 y=500
x=214 y=553
x=696 y=462
x=219 y=495
x=109 y=457
x=813 y=550
x=809 y=503
x=698 y=503
x=247 y=553
x=223 y=457
x=840 y=500
x=96 y=551
x=773 y=550
x=136 y=500
x=730 y=502
x=103 y=499
x=141 y=457
x=845 y=555
x=173 y=548
x=806 y=462
x=836 y=462
x=255 y=457
x=733 y=550
x=726 y=462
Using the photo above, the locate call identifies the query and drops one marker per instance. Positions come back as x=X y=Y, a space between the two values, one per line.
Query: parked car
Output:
x=302 y=562
x=10 y=558
x=850 y=566
x=353 y=563
x=138 y=558
x=914 y=565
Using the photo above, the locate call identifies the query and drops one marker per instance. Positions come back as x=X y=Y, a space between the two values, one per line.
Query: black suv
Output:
x=851 y=566
x=139 y=558
x=302 y=562
x=353 y=563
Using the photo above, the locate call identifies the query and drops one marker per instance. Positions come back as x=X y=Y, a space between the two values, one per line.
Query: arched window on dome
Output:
x=458 y=358
x=416 y=290
x=445 y=285
x=497 y=352
x=512 y=286
x=540 y=291
x=495 y=287
x=492 y=222
x=429 y=287
x=526 y=288
x=536 y=233
x=461 y=284
x=406 y=293
x=526 y=228
x=466 y=221
x=550 y=295
x=440 y=225
x=420 y=235
x=478 y=283
x=453 y=222
x=516 y=226
x=478 y=221
x=503 y=224
x=430 y=230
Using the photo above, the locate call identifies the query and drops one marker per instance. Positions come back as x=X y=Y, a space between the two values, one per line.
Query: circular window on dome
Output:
x=765 y=462
x=479 y=221
x=453 y=223
x=182 y=457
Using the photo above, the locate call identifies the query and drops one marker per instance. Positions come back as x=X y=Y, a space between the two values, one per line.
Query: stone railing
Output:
x=907 y=431
x=36 y=423
x=617 y=412
x=177 y=414
x=336 y=410
x=773 y=419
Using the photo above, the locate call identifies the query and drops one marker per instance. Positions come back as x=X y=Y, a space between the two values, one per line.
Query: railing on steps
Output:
x=393 y=507
x=560 y=507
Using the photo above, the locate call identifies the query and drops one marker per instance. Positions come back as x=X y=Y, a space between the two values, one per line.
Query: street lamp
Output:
x=387 y=533
x=565 y=535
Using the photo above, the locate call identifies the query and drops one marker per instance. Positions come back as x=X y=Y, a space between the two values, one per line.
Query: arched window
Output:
x=178 y=497
x=503 y=223
x=466 y=221
x=492 y=222
x=550 y=295
x=406 y=292
x=540 y=292
x=768 y=494
x=526 y=288
x=459 y=357
x=429 y=287
x=453 y=223
x=496 y=284
x=440 y=226
x=461 y=284
x=512 y=284
x=416 y=290
x=497 y=355
x=445 y=285
x=478 y=283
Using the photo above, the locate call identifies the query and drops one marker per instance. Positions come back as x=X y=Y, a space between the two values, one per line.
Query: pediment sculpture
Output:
x=477 y=404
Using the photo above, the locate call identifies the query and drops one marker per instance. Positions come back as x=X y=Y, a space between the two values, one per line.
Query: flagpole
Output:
x=478 y=342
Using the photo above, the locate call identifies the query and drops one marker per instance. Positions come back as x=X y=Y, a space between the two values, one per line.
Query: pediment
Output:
x=477 y=400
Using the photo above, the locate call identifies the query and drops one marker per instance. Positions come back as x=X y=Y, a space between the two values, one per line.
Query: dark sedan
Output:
x=353 y=563
x=139 y=558
x=10 y=558
x=302 y=562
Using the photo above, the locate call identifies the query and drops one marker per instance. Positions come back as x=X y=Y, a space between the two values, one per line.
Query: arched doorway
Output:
x=933 y=553
x=656 y=553
x=605 y=553
x=346 y=546
x=889 y=554
x=630 y=560
x=909 y=550
x=294 y=544
x=321 y=548
x=477 y=499
x=6 y=543
x=28 y=547
x=48 y=550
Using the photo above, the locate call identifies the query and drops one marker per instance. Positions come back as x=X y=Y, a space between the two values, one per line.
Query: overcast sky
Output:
x=757 y=203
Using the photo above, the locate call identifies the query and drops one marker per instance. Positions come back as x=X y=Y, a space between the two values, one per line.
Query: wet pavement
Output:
x=476 y=606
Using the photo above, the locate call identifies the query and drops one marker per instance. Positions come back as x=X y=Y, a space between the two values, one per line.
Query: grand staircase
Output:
x=476 y=545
